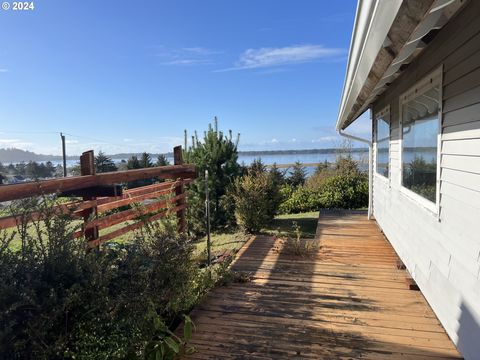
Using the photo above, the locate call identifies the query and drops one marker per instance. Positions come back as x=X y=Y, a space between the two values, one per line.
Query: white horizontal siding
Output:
x=464 y=179
x=469 y=164
x=462 y=100
x=465 y=147
x=461 y=116
x=469 y=130
x=442 y=250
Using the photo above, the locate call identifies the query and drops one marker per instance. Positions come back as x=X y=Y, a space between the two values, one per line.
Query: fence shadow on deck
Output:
x=306 y=308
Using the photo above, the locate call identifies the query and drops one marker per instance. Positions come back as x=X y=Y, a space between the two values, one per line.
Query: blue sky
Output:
x=127 y=76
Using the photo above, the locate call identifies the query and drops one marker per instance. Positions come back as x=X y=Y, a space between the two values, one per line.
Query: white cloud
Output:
x=288 y=55
x=274 y=141
x=3 y=70
x=127 y=140
x=325 y=139
x=196 y=55
x=15 y=143
x=8 y=141
x=187 y=62
x=200 y=50
x=71 y=141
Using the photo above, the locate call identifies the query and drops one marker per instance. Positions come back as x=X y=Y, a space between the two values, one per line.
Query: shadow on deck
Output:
x=349 y=301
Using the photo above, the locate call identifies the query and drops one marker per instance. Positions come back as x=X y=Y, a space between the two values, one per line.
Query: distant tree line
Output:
x=30 y=170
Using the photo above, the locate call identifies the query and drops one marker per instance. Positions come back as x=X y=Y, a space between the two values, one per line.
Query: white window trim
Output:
x=381 y=113
x=423 y=85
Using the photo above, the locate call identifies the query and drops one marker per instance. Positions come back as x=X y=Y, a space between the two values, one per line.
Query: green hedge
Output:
x=347 y=191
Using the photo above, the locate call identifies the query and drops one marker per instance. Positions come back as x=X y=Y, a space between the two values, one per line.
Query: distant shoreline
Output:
x=18 y=155
x=300 y=152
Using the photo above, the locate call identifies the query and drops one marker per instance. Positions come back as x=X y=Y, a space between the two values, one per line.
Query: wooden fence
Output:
x=101 y=193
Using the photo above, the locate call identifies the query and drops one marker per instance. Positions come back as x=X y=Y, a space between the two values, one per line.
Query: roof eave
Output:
x=393 y=36
x=373 y=20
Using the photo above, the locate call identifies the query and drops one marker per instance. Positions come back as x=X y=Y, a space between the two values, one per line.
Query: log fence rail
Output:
x=154 y=201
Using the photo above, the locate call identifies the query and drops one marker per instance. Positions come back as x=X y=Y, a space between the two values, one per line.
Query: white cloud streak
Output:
x=289 y=55
x=186 y=56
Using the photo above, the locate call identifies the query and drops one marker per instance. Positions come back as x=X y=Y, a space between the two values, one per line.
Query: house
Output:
x=416 y=66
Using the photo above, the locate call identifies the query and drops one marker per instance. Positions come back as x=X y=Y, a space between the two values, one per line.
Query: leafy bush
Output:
x=345 y=192
x=301 y=199
x=342 y=185
x=275 y=179
x=59 y=301
x=254 y=200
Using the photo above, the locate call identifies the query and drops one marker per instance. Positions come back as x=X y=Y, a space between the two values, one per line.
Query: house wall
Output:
x=442 y=250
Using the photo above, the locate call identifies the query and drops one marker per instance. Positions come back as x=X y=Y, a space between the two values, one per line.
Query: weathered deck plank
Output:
x=349 y=301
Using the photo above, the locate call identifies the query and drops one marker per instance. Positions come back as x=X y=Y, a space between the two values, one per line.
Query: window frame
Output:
x=435 y=78
x=381 y=113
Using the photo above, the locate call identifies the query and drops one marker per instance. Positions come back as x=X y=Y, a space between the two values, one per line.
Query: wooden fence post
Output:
x=178 y=160
x=87 y=167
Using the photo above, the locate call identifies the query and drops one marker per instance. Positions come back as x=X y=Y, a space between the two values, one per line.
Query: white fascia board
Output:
x=373 y=21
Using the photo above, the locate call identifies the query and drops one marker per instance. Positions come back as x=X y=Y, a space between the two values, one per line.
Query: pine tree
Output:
x=146 y=160
x=218 y=154
x=298 y=175
x=103 y=163
x=162 y=160
x=276 y=175
x=133 y=163
x=257 y=167
x=49 y=169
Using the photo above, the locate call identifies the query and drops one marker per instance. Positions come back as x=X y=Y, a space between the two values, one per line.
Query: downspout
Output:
x=370 y=168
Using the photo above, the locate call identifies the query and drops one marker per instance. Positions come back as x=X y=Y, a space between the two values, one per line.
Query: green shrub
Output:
x=254 y=202
x=342 y=185
x=345 y=192
x=59 y=301
x=301 y=199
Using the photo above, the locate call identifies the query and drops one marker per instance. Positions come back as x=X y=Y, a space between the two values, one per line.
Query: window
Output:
x=382 y=141
x=420 y=130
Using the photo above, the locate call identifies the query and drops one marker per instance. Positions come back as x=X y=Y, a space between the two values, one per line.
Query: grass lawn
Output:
x=220 y=242
x=284 y=224
x=232 y=241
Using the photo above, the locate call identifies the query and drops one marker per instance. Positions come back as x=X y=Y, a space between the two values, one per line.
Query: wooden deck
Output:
x=347 y=302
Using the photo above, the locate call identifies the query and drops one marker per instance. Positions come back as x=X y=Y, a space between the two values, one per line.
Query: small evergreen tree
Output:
x=218 y=154
x=298 y=176
x=103 y=163
x=257 y=167
x=49 y=169
x=133 y=163
x=162 y=160
x=20 y=168
x=277 y=176
x=146 y=160
x=32 y=170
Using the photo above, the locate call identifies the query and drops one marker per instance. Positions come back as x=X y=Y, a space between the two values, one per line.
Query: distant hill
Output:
x=13 y=155
x=17 y=155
